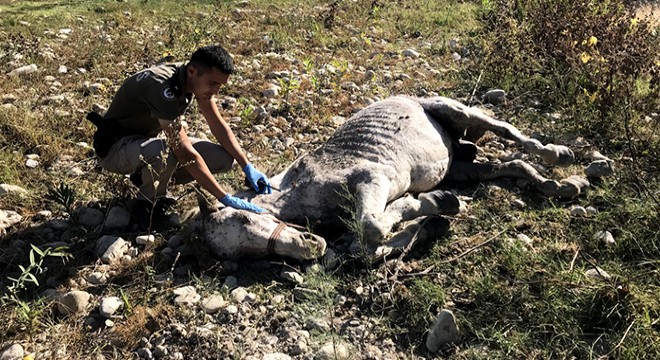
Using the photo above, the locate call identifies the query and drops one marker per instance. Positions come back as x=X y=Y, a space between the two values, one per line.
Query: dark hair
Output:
x=213 y=56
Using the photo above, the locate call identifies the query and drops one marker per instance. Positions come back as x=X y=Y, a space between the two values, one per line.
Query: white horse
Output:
x=380 y=168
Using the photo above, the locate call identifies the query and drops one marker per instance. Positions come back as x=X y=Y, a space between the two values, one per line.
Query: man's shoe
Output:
x=149 y=216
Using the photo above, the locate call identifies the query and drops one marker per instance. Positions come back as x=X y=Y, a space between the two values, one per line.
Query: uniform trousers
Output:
x=157 y=164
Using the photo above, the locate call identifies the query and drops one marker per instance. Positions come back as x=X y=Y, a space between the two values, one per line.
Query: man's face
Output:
x=205 y=83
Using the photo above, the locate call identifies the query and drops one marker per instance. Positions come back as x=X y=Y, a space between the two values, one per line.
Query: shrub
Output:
x=592 y=60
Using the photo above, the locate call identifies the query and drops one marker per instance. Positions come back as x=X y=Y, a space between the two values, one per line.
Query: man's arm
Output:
x=189 y=158
x=194 y=163
x=221 y=130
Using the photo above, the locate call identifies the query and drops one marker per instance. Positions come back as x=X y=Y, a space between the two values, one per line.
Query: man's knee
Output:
x=217 y=159
x=156 y=155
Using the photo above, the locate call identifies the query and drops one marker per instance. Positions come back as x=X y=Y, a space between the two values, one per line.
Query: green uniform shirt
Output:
x=149 y=95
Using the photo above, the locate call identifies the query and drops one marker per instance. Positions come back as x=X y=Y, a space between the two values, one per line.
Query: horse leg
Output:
x=461 y=171
x=458 y=117
x=377 y=217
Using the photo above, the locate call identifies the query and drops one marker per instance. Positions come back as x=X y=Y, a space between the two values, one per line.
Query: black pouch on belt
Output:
x=106 y=134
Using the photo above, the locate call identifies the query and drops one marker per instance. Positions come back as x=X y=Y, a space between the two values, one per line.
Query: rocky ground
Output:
x=109 y=291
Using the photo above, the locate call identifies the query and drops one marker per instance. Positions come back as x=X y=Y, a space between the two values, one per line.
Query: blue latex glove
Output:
x=240 y=204
x=257 y=180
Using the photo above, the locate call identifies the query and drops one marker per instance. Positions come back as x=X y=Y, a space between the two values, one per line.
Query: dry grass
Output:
x=512 y=300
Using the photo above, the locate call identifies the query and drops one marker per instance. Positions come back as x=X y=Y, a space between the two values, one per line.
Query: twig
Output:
x=473 y=248
x=620 y=341
x=574 y=258
x=427 y=271
x=408 y=247
x=474 y=90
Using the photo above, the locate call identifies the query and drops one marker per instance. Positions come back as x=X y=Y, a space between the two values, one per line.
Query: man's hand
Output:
x=257 y=180
x=240 y=204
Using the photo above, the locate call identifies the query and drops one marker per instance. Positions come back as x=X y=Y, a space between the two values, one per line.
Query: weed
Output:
x=27 y=311
x=63 y=195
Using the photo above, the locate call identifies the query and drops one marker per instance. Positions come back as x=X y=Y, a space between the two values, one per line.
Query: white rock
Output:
x=62 y=69
x=31 y=163
x=111 y=248
x=293 y=277
x=331 y=351
x=44 y=214
x=118 y=217
x=24 y=70
x=605 y=236
x=410 y=53
x=14 y=352
x=7 y=189
x=271 y=92
x=97 y=278
x=54 y=99
x=455 y=56
x=239 y=294
x=230 y=310
x=494 y=96
x=75 y=171
x=186 y=295
x=8 y=218
x=66 y=31
x=598 y=274
x=145 y=353
x=73 y=302
x=160 y=351
x=453 y=44
x=337 y=120
x=525 y=240
x=110 y=305
x=213 y=303
x=519 y=204
x=145 y=239
x=599 y=168
x=95 y=88
x=444 y=331
x=299 y=348
x=8 y=98
x=251 y=298
x=133 y=252
x=578 y=211
x=591 y=210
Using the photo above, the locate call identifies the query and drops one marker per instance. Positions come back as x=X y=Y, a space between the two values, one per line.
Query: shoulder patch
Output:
x=168 y=94
x=143 y=75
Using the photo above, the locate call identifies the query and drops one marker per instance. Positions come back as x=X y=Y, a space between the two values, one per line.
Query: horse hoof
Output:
x=557 y=155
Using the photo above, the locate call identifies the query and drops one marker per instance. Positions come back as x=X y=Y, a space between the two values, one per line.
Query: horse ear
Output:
x=206 y=207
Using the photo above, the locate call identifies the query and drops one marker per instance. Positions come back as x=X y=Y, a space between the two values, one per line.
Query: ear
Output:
x=191 y=70
x=206 y=207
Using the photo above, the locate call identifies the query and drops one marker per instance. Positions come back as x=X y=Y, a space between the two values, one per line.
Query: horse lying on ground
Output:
x=380 y=168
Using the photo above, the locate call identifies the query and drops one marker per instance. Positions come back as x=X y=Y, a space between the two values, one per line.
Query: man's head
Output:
x=209 y=68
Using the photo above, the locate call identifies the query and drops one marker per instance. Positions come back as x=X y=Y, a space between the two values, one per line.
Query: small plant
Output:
x=63 y=195
x=352 y=222
x=246 y=112
x=287 y=86
x=29 y=275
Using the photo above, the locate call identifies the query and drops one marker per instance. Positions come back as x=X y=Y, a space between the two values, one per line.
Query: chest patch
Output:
x=168 y=94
